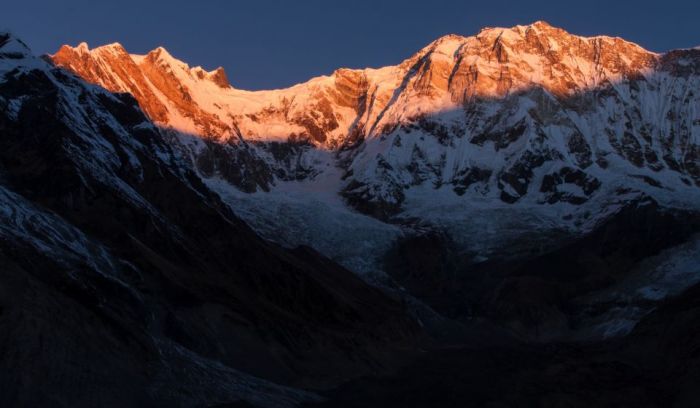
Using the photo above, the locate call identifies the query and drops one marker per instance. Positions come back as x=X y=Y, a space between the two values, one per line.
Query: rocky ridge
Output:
x=508 y=113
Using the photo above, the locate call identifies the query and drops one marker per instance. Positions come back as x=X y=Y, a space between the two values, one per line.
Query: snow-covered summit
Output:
x=526 y=117
x=443 y=75
x=12 y=47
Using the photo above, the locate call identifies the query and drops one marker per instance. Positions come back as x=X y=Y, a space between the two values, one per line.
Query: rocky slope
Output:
x=655 y=366
x=127 y=282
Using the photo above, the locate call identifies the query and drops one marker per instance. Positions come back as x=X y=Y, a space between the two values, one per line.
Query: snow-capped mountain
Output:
x=525 y=114
x=125 y=281
x=508 y=113
x=526 y=197
x=508 y=144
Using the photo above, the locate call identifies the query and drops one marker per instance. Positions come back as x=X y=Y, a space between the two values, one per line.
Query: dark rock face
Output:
x=502 y=140
x=121 y=272
x=552 y=183
x=424 y=265
x=586 y=265
x=220 y=78
x=536 y=295
x=239 y=165
x=656 y=365
x=366 y=199
x=467 y=177
x=649 y=368
x=351 y=89
x=515 y=181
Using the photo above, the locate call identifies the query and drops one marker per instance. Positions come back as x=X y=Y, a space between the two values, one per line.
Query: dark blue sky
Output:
x=275 y=43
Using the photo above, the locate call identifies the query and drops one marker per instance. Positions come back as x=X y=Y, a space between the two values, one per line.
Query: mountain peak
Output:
x=114 y=47
x=82 y=47
x=162 y=58
x=12 y=47
x=218 y=76
x=450 y=42
x=160 y=53
x=445 y=74
x=521 y=30
x=541 y=24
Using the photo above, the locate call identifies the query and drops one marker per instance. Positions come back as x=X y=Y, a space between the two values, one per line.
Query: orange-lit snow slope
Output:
x=486 y=138
x=334 y=110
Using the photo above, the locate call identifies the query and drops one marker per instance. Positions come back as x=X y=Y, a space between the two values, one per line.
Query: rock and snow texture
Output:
x=556 y=129
x=510 y=142
x=126 y=281
x=104 y=151
x=521 y=146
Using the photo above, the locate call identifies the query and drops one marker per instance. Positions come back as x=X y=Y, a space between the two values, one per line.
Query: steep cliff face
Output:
x=152 y=79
